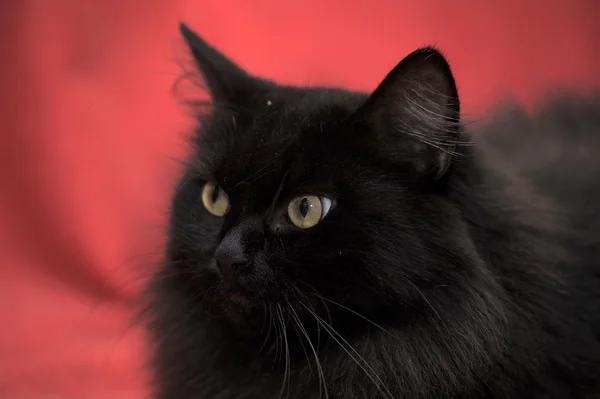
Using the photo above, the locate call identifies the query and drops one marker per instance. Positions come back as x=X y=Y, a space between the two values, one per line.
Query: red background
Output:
x=89 y=123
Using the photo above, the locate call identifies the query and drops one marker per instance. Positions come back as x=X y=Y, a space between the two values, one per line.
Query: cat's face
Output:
x=320 y=200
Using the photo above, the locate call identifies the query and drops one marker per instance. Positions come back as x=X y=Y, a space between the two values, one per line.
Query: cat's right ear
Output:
x=226 y=82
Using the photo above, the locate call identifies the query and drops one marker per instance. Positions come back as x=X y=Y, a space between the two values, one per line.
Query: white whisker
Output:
x=365 y=367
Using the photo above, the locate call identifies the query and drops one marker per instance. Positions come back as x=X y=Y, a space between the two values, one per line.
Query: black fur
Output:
x=445 y=268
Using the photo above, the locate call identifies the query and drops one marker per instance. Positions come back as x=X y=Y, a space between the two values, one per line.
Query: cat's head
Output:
x=317 y=199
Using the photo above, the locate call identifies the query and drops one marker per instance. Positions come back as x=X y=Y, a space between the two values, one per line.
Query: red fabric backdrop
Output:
x=89 y=123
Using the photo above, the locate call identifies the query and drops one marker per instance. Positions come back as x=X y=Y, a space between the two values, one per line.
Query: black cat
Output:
x=332 y=244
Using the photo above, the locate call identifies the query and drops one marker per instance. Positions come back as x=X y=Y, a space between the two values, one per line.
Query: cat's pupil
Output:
x=215 y=194
x=304 y=207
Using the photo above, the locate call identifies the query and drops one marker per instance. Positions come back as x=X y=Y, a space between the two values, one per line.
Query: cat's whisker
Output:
x=320 y=373
x=433 y=309
x=269 y=314
x=265 y=170
x=278 y=192
x=287 y=371
x=278 y=340
x=319 y=297
x=297 y=331
x=359 y=315
x=364 y=365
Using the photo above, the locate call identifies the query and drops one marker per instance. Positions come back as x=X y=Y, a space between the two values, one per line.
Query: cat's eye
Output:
x=215 y=200
x=308 y=210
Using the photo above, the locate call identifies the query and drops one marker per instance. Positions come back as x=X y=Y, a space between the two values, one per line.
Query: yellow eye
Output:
x=215 y=200
x=308 y=210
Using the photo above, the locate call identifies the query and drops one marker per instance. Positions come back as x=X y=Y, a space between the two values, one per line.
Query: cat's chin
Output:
x=223 y=302
x=239 y=311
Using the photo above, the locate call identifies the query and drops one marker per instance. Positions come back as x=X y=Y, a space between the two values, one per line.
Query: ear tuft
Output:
x=414 y=114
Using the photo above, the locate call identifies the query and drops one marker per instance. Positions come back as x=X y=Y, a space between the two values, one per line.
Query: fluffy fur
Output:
x=452 y=264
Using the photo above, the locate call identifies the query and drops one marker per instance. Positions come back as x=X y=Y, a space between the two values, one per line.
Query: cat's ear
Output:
x=225 y=80
x=413 y=115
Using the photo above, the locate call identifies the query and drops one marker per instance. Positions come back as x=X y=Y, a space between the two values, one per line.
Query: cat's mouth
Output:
x=238 y=298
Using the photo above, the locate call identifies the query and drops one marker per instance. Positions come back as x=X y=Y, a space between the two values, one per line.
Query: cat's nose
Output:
x=237 y=249
x=229 y=258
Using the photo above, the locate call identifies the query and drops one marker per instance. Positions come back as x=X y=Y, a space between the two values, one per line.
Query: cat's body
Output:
x=442 y=270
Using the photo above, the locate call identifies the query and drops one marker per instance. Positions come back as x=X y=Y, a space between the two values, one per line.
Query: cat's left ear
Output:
x=413 y=116
x=227 y=82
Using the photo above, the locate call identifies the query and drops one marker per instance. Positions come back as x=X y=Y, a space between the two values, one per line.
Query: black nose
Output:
x=237 y=249
x=231 y=257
